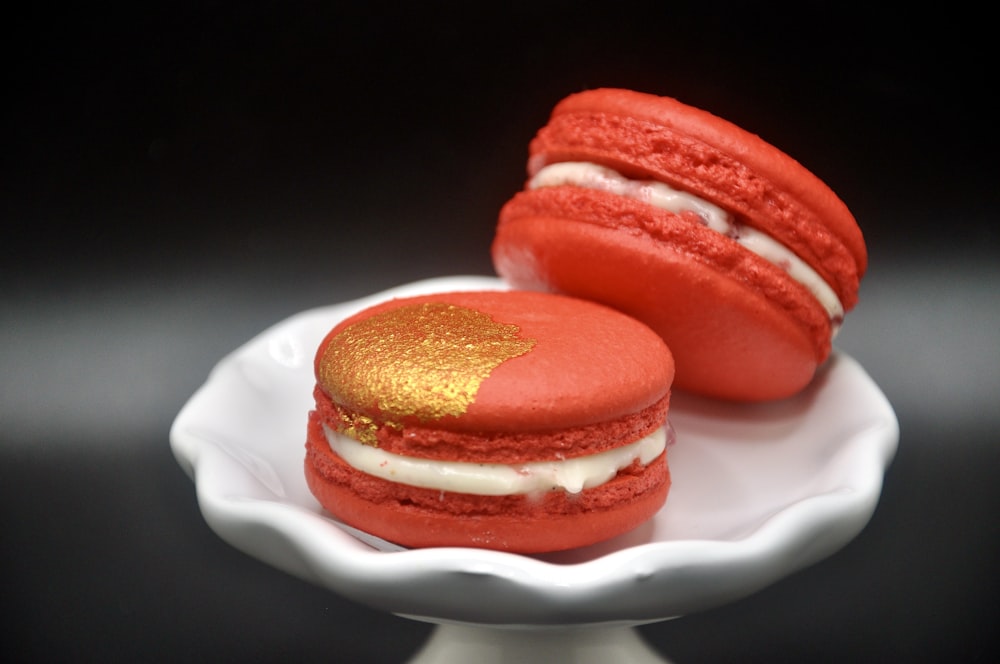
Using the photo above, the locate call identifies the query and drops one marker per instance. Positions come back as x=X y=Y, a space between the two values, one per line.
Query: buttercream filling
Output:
x=487 y=479
x=660 y=195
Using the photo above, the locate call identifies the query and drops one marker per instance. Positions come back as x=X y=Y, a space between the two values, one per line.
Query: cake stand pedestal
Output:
x=461 y=644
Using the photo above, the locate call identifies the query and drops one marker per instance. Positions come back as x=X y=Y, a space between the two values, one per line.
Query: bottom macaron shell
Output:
x=417 y=517
x=728 y=340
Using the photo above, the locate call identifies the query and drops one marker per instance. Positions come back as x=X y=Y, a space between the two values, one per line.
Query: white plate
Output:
x=759 y=491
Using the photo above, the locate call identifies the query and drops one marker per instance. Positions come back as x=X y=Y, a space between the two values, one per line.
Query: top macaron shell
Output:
x=646 y=136
x=588 y=364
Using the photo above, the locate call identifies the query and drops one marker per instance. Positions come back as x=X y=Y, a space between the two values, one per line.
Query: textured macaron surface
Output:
x=738 y=256
x=513 y=420
x=571 y=234
x=646 y=136
x=472 y=373
x=420 y=517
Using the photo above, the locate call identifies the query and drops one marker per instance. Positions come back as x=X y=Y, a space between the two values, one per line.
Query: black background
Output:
x=177 y=177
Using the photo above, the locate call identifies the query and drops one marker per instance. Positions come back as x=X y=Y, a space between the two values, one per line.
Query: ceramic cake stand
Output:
x=759 y=491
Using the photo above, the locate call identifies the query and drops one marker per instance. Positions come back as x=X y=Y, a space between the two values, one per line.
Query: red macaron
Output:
x=512 y=420
x=738 y=256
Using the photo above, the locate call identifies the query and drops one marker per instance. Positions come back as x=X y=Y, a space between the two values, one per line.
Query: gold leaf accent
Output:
x=421 y=360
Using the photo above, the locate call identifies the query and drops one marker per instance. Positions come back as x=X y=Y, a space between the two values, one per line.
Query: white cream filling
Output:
x=657 y=194
x=490 y=479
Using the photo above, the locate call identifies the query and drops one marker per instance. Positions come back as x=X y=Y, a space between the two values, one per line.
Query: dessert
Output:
x=512 y=420
x=743 y=260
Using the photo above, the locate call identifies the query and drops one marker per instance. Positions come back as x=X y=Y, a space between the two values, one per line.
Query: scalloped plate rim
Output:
x=635 y=584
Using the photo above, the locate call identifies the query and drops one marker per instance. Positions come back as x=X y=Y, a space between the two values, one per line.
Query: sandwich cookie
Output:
x=743 y=260
x=519 y=421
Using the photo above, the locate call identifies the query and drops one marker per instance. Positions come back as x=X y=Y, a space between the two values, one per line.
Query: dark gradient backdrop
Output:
x=178 y=176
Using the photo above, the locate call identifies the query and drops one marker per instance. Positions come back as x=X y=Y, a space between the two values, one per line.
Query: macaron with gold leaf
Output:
x=511 y=420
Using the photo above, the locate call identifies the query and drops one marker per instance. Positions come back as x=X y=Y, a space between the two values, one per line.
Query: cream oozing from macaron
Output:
x=485 y=479
x=660 y=195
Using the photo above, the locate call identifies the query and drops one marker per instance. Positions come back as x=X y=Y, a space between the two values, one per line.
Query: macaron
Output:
x=511 y=420
x=738 y=256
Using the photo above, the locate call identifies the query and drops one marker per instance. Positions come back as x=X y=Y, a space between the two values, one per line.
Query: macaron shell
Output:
x=426 y=441
x=415 y=517
x=589 y=364
x=646 y=136
x=738 y=327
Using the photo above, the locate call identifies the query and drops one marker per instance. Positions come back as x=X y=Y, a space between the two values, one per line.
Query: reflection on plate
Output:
x=759 y=491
